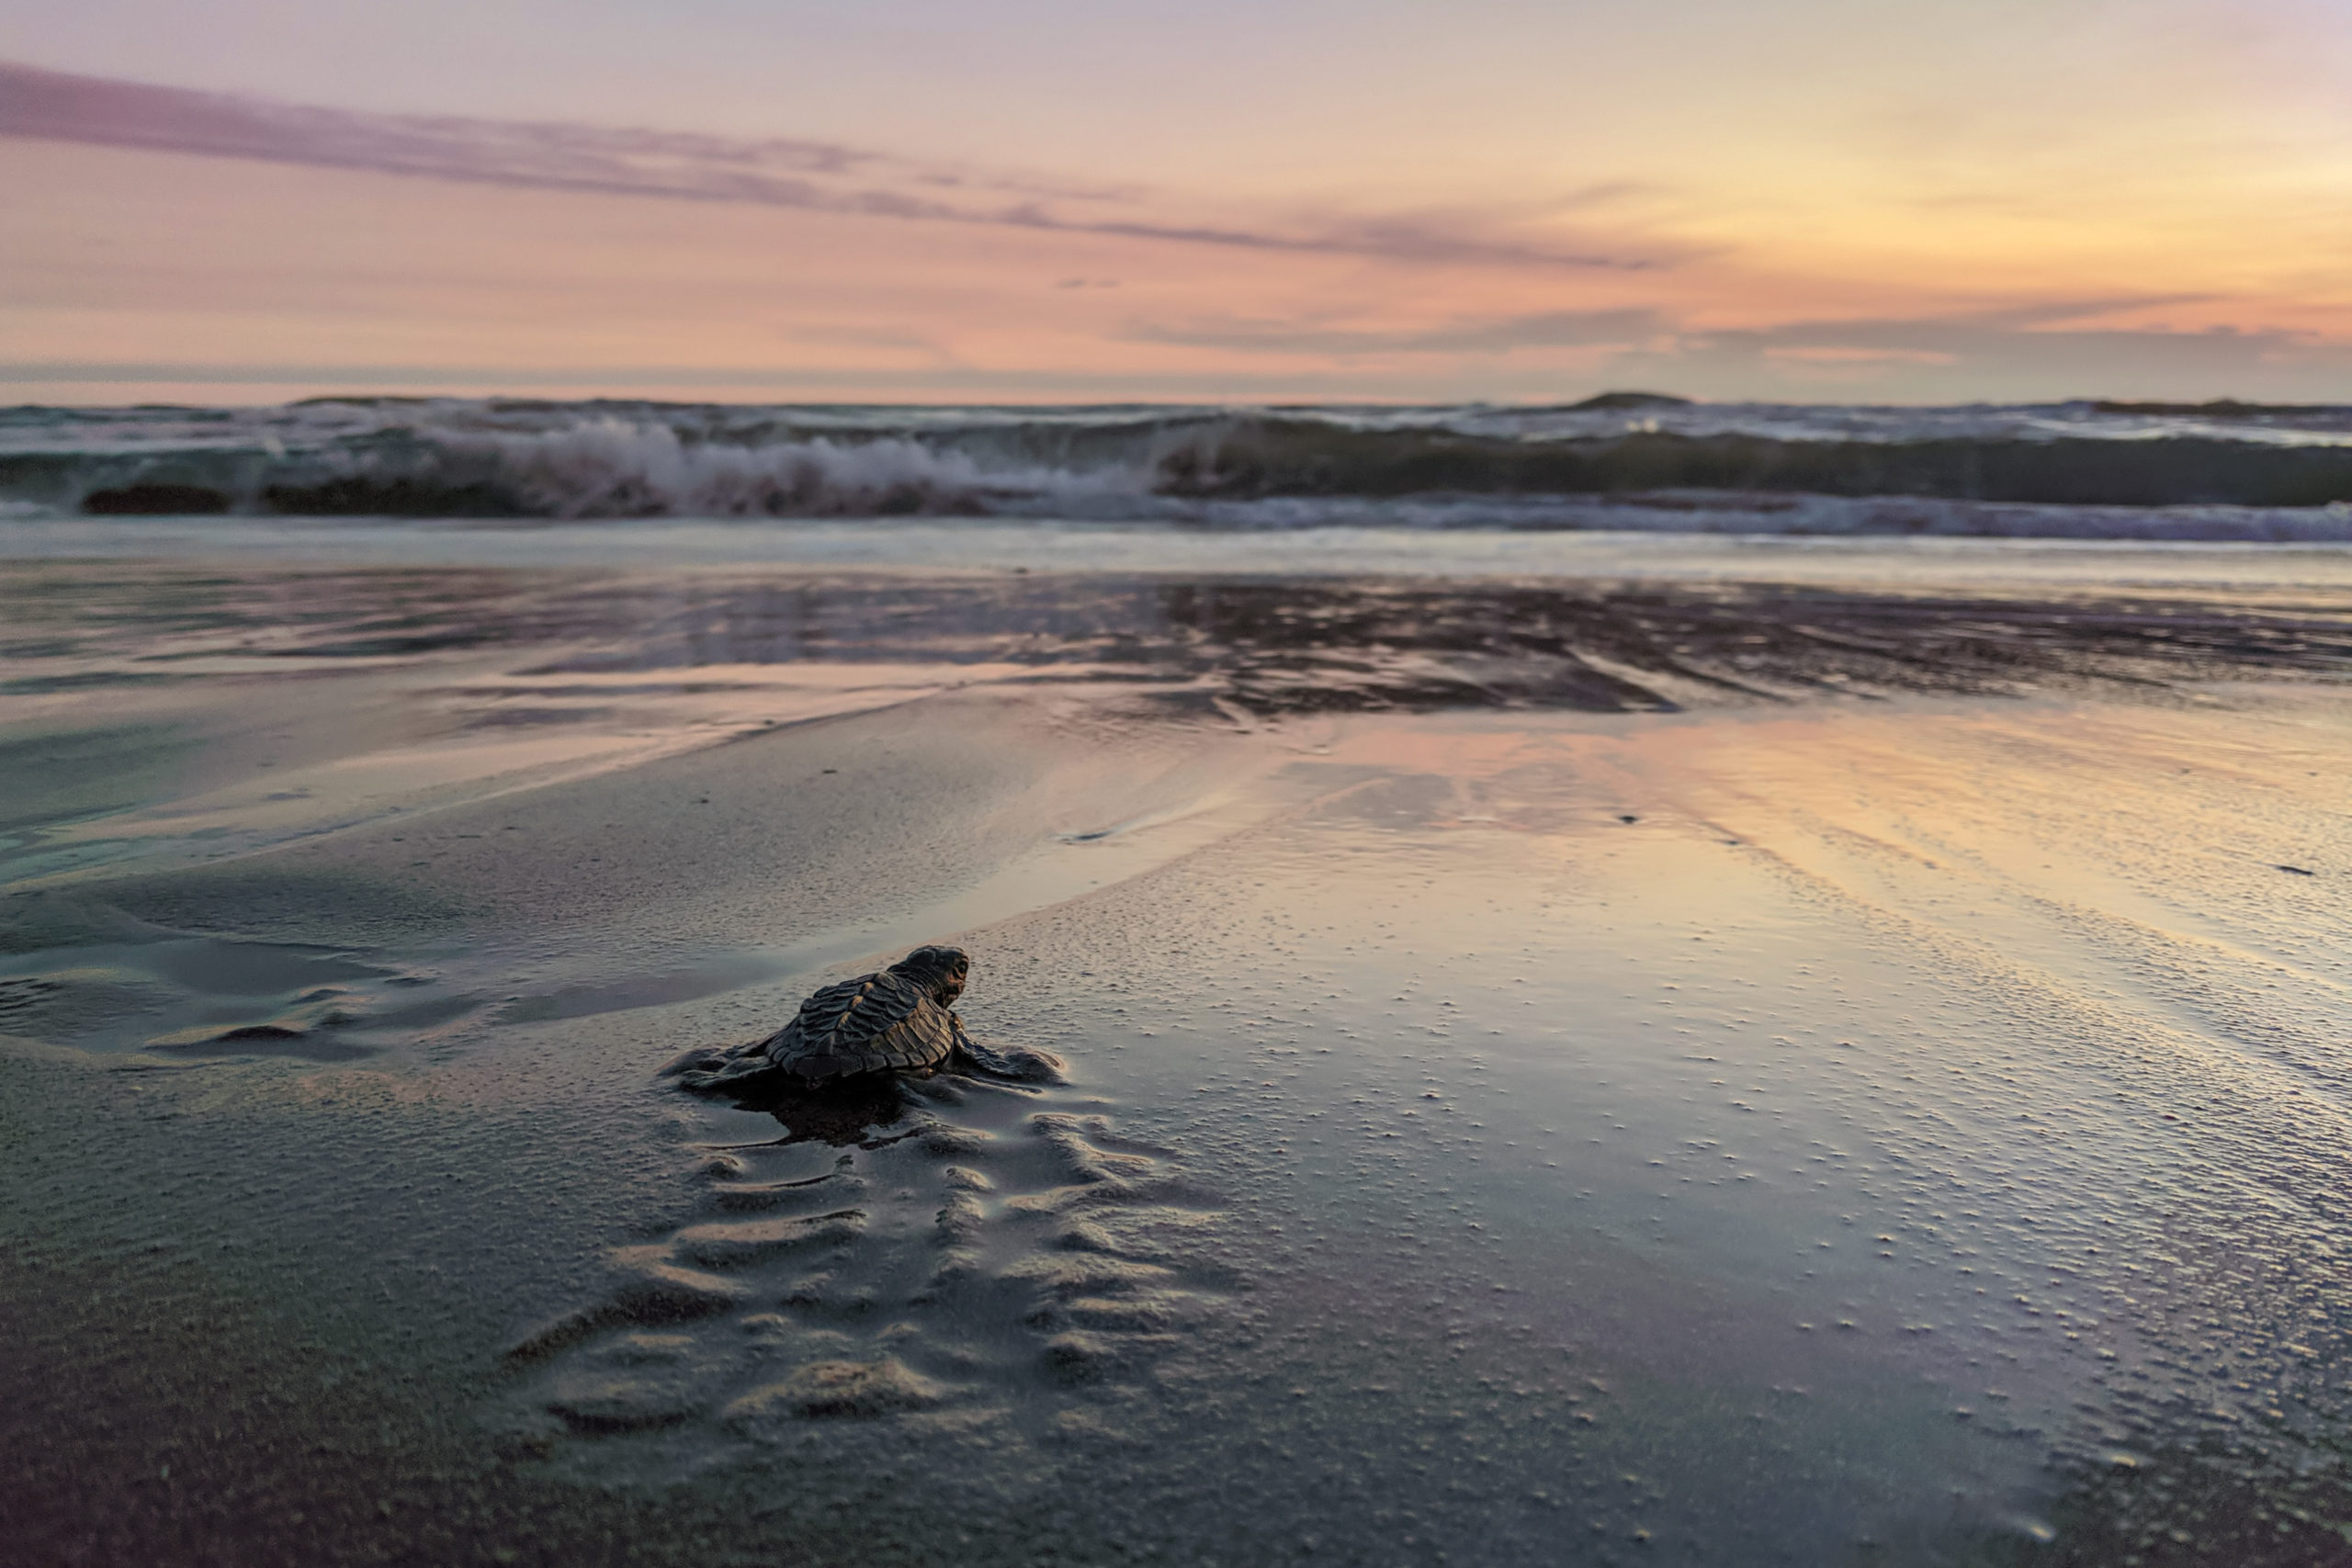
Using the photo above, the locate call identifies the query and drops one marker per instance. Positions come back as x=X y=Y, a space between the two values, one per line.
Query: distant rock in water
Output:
x=1603 y=402
x=154 y=501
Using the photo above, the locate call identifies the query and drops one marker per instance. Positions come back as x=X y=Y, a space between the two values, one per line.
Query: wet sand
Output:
x=1558 y=1071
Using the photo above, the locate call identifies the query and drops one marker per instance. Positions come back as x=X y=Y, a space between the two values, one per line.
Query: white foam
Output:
x=608 y=468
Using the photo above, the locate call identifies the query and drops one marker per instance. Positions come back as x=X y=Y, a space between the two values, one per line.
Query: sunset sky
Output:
x=1023 y=200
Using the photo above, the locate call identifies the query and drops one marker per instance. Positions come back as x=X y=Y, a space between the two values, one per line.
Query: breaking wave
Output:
x=2149 y=471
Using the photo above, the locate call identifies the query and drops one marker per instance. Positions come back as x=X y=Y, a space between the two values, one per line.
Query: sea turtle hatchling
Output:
x=899 y=1020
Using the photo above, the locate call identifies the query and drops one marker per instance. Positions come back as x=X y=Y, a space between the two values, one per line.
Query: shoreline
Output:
x=922 y=548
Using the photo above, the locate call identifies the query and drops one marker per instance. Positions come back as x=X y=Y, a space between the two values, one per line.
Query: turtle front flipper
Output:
x=1013 y=1064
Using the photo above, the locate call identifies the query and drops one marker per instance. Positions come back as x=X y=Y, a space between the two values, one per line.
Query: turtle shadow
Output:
x=869 y=1112
x=844 y=1116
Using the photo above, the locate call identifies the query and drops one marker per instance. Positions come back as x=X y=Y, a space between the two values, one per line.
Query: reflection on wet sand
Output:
x=396 y=690
x=1274 y=645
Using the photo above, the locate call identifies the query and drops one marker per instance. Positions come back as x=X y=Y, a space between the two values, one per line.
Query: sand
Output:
x=1734 y=1073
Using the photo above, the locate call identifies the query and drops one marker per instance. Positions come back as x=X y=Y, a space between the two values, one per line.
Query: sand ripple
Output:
x=1023 y=1265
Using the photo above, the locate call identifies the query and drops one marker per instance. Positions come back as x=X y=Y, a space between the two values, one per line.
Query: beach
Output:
x=1811 y=1066
x=1092 y=786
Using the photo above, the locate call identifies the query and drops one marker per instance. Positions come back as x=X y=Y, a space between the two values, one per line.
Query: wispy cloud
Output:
x=1489 y=335
x=2031 y=340
x=810 y=175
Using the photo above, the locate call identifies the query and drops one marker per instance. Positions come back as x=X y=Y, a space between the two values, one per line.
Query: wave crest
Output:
x=612 y=468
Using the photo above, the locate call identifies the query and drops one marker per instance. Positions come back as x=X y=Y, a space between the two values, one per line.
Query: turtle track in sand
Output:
x=997 y=1264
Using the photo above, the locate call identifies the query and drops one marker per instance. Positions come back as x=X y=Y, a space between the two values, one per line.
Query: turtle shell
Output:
x=876 y=1023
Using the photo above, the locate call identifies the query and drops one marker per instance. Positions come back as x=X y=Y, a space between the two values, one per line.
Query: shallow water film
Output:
x=1558 y=1071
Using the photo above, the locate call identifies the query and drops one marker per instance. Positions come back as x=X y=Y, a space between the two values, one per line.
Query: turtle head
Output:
x=939 y=970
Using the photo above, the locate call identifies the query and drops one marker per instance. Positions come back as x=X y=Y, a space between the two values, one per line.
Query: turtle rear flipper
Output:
x=1013 y=1064
x=713 y=1070
x=699 y=1061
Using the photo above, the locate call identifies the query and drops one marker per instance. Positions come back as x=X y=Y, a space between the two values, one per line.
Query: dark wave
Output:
x=1620 y=460
x=1275 y=458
